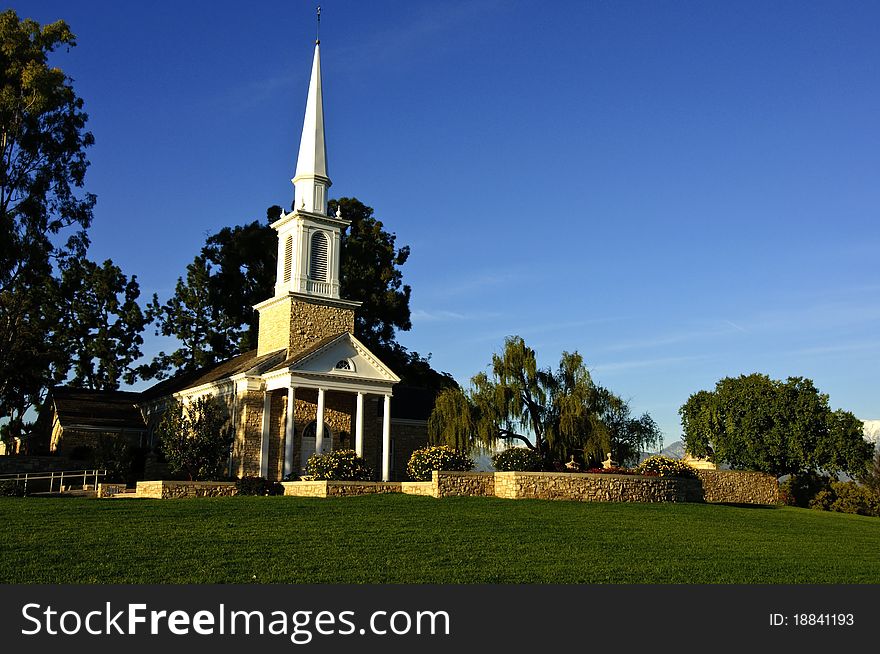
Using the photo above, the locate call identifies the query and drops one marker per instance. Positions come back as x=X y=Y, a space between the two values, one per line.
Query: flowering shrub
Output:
x=663 y=466
x=339 y=465
x=258 y=486
x=436 y=457
x=517 y=459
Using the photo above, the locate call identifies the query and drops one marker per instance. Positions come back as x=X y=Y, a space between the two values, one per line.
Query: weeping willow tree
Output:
x=557 y=413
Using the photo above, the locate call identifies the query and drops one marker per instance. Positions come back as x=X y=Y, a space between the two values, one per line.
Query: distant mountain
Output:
x=872 y=431
x=673 y=451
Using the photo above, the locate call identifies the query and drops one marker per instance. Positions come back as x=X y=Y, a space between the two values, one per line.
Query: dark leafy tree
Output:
x=243 y=263
x=370 y=272
x=43 y=212
x=190 y=317
x=629 y=436
x=195 y=438
x=754 y=422
x=104 y=323
x=557 y=413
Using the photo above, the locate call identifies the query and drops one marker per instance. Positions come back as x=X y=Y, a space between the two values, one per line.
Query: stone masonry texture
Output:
x=297 y=324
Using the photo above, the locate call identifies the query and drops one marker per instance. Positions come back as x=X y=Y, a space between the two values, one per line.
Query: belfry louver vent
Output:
x=288 y=258
x=318 y=258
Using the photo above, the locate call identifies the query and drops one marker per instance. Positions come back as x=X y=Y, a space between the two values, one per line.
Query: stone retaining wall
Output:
x=427 y=488
x=448 y=484
x=587 y=487
x=165 y=490
x=109 y=490
x=338 y=488
x=739 y=487
x=726 y=486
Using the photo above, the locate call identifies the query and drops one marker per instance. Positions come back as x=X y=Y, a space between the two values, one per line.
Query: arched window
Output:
x=288 y=258
x=318 y=258
x=343 y=364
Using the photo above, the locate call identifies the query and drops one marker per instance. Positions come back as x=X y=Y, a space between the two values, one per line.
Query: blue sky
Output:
x=680 y=191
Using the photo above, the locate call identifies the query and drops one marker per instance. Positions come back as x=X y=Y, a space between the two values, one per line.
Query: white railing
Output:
x=320 y=288
x=72 y=477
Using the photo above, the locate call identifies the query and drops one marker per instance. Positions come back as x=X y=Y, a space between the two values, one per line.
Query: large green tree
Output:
x=556 y=413
x=102 y=323
x=44 y=213
x=780 y=427
x=190 y=317
x=211 y=311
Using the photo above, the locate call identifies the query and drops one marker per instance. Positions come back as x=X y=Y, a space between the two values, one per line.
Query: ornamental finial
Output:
x=318 y=27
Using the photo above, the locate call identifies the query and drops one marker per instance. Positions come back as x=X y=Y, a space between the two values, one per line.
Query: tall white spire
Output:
x=310 y=181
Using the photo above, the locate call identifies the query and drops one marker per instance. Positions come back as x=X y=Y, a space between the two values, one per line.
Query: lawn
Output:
x=406 y=539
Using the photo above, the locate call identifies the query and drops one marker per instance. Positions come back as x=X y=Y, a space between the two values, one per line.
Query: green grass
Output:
x=405 y=539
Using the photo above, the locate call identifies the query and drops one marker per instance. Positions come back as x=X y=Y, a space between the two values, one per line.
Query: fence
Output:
x=45 y=482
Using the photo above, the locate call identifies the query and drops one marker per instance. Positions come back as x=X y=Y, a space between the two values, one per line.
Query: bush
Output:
x=339 y=465
x=663 y=466
x=436 y=457
x=517 y=459
x=800 y=489
x=258 y=486
x=847 y=497
x=11 y=488
x=195 y=438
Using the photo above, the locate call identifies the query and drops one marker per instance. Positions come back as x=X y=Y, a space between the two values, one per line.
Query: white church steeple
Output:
x=309 y=240
x=311 y=181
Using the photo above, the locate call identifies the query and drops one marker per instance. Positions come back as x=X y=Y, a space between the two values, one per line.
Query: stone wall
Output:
x=338 y=488
x=297 y=324
x=406 y=436
x=164 y=490
x=427 y=488
x=739 y=487
x=14 y=463
x=586 y=487
x=65 y=439
x=312 y=321
x=248 y=435
x=109 y=490
x=448 y=484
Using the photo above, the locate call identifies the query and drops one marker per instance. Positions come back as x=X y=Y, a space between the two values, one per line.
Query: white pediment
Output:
x=346 y=358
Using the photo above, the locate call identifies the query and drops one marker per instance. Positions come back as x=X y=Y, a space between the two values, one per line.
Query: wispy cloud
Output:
x=669 y=362
x=538 y=329
x=838 y=348
x=420 y=31
x=443 y=315
x=676 y=337
x=472 y=283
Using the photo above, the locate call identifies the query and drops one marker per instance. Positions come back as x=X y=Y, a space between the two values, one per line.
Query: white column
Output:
x=288 y=432
x=319 y=423
x=359 y=426
x=386 y=440
x=264 y=444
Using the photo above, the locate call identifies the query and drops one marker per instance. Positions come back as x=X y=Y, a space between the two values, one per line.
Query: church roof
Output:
x=83 y=407
x=248 y=362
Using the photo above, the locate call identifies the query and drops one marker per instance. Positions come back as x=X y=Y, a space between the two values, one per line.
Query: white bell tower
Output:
x=309 y=238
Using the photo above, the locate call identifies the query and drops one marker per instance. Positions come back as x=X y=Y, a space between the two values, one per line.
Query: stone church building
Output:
x=310 y=386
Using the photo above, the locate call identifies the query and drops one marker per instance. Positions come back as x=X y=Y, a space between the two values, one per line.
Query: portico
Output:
x=341 y=366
